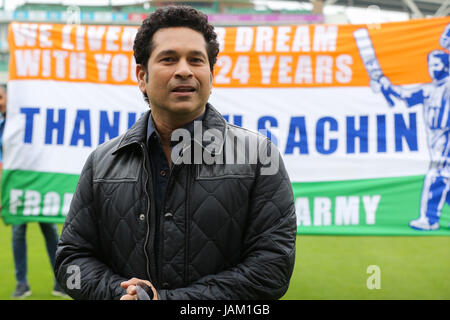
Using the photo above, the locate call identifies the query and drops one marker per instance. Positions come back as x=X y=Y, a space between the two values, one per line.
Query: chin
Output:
x=183 y=109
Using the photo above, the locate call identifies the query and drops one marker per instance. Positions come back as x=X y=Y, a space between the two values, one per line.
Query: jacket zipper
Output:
x=187 y=226
x=148 y=215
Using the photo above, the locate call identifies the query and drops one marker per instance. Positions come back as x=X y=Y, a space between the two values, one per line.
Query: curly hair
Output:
x=174 y=16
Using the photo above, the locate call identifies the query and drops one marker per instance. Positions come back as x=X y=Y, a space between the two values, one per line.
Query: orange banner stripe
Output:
x=265 y=56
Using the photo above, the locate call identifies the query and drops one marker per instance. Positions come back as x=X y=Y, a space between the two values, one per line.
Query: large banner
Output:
x=360 y=114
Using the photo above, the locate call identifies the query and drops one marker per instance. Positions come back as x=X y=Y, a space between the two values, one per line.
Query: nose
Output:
x=183 y=70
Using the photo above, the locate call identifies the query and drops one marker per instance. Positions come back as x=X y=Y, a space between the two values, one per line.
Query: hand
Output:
x=385 y=82
x=130 y=286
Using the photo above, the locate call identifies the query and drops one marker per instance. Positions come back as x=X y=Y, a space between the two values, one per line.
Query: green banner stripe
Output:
x=399 y=203
x=36 y=196
x=382 y=206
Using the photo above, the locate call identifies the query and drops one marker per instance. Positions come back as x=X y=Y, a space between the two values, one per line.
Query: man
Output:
x=2 y=120
x=435 y=98
x=188 y=230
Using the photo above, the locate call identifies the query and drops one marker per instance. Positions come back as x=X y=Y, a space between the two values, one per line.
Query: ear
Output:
x=210 y=82
x=140 y=76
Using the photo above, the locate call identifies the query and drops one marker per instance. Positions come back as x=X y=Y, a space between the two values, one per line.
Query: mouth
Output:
x=183 y=89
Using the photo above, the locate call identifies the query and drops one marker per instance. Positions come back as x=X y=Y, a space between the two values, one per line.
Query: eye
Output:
x=197 y=60
x=167 y=59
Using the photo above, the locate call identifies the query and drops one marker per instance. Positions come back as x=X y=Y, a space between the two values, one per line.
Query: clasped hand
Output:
x=130 y=287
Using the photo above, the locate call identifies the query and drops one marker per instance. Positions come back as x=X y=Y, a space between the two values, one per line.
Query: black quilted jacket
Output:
x=225 y=232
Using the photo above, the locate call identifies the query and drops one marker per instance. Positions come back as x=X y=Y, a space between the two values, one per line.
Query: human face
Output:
x=436 y=68
x=178 y=77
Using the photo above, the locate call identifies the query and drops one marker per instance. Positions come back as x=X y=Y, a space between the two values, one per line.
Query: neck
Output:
x=166 y=123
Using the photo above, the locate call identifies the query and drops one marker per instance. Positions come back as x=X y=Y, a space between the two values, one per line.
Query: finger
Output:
x=128 y=297
x=131 y=289
x=127 y=283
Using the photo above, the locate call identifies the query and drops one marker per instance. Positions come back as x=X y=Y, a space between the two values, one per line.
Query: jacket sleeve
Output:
x=268 y=249
x=78 y=266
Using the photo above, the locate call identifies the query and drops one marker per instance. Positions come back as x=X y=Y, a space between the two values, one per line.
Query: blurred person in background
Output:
x=2 y=121
x=19 y=244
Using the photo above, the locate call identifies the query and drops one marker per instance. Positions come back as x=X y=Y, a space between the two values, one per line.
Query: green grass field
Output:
x=326 y=267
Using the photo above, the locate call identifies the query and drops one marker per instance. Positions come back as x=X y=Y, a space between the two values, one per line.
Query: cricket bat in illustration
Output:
x=370 y=61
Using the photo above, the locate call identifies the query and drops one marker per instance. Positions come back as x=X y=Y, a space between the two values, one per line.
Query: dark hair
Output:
x=441 y=55
x=174 y=16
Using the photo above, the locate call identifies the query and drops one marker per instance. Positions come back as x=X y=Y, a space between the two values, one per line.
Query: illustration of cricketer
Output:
x=435 y=98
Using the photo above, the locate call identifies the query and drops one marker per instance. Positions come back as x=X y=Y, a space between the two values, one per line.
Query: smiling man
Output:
x=184 y=230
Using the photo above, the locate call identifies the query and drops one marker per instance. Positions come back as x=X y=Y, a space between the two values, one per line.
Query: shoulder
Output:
x=251 y=138
x=255 y=148
x=107 y=148
x=103 y=155
x=447 y=84
x=244 y=133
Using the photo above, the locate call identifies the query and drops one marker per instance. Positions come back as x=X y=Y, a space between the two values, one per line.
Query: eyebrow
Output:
x=173 y=52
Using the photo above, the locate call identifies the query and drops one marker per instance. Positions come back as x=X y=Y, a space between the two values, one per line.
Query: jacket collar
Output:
x=152 y=130
x=137 y=134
